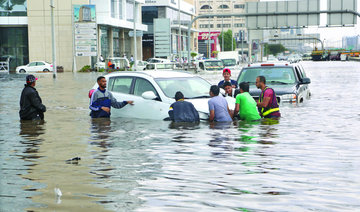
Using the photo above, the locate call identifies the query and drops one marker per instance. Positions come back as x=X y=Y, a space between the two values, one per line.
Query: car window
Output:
x=143 y=85
x=32 y=64
x=271 y=74
x=120 y=84
x=298 y=73
x=40 y=63
x=191 y=87
x=150 y=66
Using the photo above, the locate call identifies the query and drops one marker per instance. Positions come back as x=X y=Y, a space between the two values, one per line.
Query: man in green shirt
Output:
x=245 y=104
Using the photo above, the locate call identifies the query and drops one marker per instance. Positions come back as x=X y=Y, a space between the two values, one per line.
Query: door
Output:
x=40 y=66
x=31 y=67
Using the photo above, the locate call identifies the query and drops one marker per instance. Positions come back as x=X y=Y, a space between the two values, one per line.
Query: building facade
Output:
x=169 y=9
x=25 y=33
x=236 y=24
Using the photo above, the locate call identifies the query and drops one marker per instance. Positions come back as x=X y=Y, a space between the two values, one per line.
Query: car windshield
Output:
x=273 y=75
x=229 y=62
x=191 y=87
x=215 y=63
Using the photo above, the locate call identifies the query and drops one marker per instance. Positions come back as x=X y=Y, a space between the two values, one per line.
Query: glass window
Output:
x=142 y=85
x=32 y=64
x=129 y=11
x=239 y=6
x=120 y=9
x=113 y=6
x=191 y=87
x=205 y=7
x=223 y=6
x=116 y=43
x=104 y=41
x=121 y=84
x=273 y=75
x=13 y=8
x=40 y=63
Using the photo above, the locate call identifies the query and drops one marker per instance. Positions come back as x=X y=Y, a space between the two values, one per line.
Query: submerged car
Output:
x=210 y=65
x=160 y=66
x=37 y=66
x=289 y=81
x=153 y=92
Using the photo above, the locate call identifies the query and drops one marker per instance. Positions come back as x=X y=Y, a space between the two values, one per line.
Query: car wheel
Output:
x=22 y=71
x=46 y=70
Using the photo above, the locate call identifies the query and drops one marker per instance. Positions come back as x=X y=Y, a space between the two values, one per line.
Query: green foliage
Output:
x=193 y=54
x=274 y=49
x=227 y=40
x=86 y=68
x=101 y=70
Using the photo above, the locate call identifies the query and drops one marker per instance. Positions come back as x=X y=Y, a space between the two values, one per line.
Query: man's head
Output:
x=226 y=74
x=227 y=87
x=101 y=82
x=179 y=96
x=214 y=90
x=31 y=80
x=244 y=87
x=260 y=82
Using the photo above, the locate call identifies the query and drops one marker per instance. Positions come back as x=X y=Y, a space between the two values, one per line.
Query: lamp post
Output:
x=53 y=38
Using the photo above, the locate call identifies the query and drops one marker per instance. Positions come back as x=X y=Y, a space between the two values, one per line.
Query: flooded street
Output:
x=307 y=161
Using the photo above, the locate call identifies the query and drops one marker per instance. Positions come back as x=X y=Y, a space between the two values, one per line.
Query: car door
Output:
x=302 y=88
x=40 y=66
x=31 y=67
x=120 y=87
x=148 y=108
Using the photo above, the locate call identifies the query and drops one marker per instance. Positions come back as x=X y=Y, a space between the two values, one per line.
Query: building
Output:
x=168 y=9
x=351 y=42
x=25 y=31
x=236 y=24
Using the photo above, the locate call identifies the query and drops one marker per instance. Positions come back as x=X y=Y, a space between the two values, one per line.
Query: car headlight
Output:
x=288 y=98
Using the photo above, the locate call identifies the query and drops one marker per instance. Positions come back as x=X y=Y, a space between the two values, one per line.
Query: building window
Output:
x=205 y=7
x=239 y=6
x=206 y=25
x=224 y=25
x=120 y=9
x=113 y=6
x=116 y=43
x=104 y=41
x=129 y=11
x=239 y=25
x=13 y=8
x=223 y=6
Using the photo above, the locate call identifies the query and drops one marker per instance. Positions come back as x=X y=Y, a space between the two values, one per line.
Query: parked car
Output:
x=153 y=92
x=334 y=56
x=157 y=60
x=140 y=65
x=121 y=63
x=230 y=63
x=210 y=65
x=37 y=66
x=289 y=81
x=99 y=65
x=160 y=66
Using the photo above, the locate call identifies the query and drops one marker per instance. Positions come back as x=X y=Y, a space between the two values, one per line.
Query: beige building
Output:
x=218 y=23
x=26 y=31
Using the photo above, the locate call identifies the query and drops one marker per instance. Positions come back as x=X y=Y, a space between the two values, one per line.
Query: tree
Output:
x=274 y=49
x=227 y=40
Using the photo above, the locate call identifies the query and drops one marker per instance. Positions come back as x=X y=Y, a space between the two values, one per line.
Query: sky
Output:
x=332 y=35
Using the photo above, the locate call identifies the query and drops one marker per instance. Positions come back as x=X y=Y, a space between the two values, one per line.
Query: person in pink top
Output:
x=267 y=105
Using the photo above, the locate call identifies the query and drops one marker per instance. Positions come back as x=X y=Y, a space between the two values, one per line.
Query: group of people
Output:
x=101 y=101
x=246 y=108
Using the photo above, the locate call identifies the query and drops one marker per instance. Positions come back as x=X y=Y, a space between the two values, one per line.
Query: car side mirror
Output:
x=149 y=95
x=305 y=80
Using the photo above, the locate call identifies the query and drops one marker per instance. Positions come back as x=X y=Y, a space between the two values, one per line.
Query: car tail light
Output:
x=286 y=64
x=51 y=66
x=267 y=64
x=249 y=65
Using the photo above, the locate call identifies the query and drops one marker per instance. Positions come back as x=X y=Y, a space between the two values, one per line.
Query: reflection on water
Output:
x=307 y=160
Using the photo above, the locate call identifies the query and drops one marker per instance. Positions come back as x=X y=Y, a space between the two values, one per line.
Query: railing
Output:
x=4 y=66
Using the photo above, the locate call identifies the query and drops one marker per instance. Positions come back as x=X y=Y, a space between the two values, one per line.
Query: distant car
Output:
x=140 y=65
x=289 y=81
x=294 y=58
x=210 y=65
x=120 y=63
x=334 y=56
x=160 y=66
x=37 y=66
x=99 y=65
x=306 y=57
x=157 y=60
x=230 y=63
x=153 y=92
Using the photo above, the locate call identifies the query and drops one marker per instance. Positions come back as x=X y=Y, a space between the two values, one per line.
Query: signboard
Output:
x=339 y=19
x=205 y=35
x=85 y=30
x=278 y=21
x=138 y=33
x=162 y=37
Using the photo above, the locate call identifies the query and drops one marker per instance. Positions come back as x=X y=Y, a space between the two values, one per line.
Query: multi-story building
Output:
x=351 y=42
x=25 y=30
x=215 y=24
x=169 y=9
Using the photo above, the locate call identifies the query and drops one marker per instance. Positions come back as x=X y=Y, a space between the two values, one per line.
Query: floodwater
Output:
x=308 y=161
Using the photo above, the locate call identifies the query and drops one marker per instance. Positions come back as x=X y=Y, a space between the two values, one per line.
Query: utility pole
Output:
x=53 y=38
x=135 y=47
x=222 y=26
x=209 y=44
x=179 y=34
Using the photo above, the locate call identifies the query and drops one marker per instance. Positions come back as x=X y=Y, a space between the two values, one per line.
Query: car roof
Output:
x=153 y=74
x=271 y=64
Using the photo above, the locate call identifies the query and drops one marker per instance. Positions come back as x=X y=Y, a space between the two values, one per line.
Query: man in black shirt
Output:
x=182 y=111
x=31 y=107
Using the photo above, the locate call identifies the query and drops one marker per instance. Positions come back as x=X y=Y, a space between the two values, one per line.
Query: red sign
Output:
x=205 y=35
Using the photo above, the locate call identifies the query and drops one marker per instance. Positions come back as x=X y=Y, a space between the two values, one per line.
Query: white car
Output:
x=157 y=60
x=140 y=65
x=37 y=66
x=160 y=66
x=153 y=92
